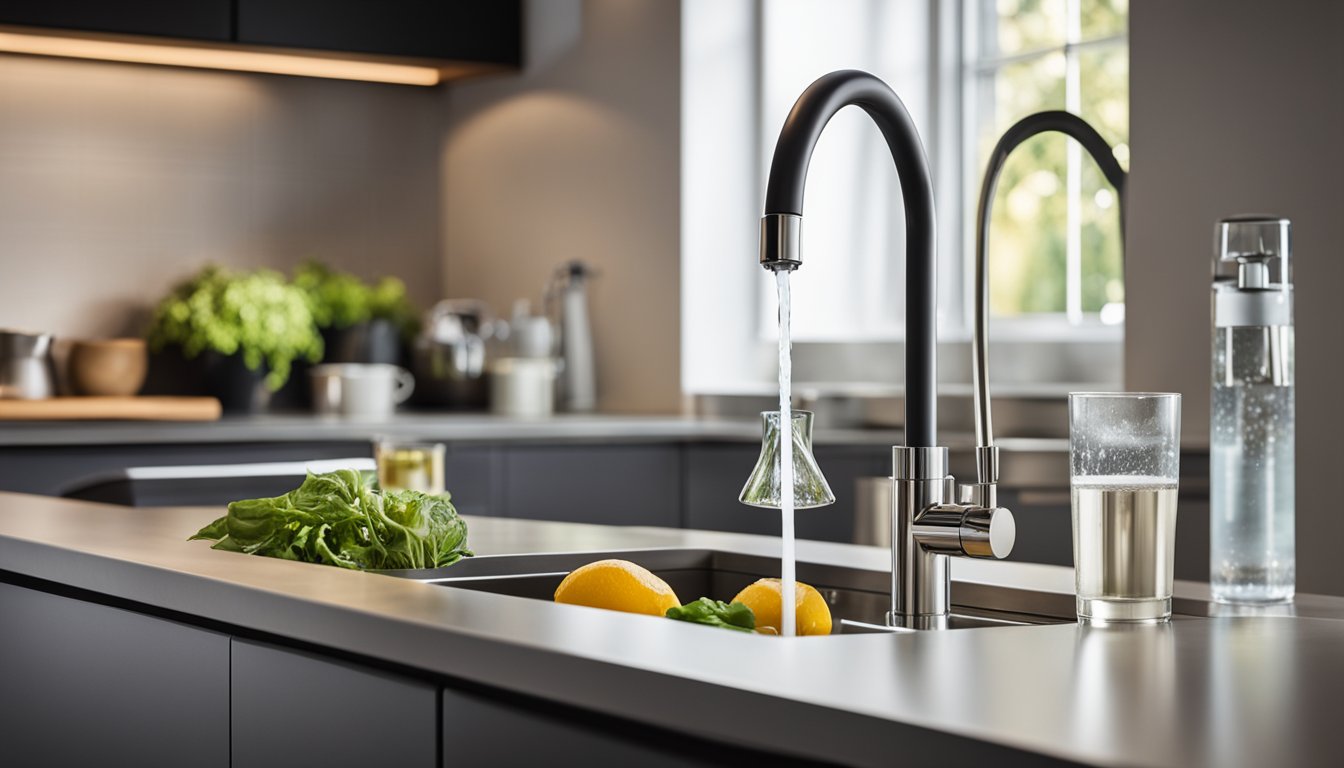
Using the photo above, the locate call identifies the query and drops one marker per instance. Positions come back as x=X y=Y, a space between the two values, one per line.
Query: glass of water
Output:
x=1124 y=464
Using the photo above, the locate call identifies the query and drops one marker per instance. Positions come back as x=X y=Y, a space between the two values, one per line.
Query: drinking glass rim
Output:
x=1125 y=395
x=408 y=445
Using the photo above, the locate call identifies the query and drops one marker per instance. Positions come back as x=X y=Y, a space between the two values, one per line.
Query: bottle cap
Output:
x=1253 y=252
x=1252 y=278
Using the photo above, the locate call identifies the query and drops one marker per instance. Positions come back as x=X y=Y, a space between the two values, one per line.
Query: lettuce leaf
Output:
x=716 y=613
x=341 y=518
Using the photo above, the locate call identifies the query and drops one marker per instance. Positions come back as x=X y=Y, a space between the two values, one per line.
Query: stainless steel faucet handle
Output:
x=965 y=530
x=988 y=532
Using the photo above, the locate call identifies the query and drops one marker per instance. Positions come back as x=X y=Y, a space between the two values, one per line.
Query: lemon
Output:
x=812 y=615
x=617 y=585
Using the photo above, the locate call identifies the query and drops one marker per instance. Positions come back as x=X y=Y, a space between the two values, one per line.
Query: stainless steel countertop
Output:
x=1257 y=690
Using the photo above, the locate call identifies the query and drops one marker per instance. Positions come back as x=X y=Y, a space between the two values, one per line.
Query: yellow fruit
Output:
x=812 y=615
x=617 y=585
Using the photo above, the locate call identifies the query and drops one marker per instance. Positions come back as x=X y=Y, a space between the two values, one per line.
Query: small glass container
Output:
x=810 y=488
x=410 y=466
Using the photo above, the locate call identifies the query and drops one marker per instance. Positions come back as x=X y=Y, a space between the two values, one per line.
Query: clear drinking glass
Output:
x=410 y=466
x=1124 y=466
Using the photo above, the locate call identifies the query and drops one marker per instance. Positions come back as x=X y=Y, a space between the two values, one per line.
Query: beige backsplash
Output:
x=118 y=180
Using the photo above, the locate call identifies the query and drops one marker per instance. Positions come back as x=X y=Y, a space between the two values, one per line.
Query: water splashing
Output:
x=787 y=586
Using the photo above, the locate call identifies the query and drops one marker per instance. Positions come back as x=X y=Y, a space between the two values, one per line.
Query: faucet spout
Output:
x=781 y=225
x=983 y=491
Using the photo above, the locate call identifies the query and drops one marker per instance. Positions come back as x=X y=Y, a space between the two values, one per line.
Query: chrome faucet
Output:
x=984 y=490
x=928 y=525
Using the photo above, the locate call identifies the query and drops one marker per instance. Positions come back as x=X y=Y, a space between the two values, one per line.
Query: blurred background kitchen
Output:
x=547 y=261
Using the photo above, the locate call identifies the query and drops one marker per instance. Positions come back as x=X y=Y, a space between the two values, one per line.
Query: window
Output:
x=966 y=70
x=853 y=224
x=1055 y=226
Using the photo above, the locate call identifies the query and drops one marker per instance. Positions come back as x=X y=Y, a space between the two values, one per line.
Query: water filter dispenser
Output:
x=1252 y=555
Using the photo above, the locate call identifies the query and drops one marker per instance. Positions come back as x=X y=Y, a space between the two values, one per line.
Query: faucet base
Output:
x=917 y=621
x=919 y=577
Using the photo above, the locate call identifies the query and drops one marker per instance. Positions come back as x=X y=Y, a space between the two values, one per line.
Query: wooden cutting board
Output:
x=111 y=408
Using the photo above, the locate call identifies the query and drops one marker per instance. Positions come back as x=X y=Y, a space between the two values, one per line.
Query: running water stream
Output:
x=787 y=586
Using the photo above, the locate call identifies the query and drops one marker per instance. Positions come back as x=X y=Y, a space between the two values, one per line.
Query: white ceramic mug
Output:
x=522 y=386
x=360 y=390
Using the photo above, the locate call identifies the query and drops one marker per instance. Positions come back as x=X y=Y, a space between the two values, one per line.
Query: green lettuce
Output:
x=341 y=518
x=716 y=613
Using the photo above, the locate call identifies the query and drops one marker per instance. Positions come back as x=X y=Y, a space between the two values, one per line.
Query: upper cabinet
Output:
x=483 y=31
x=409 y=41
x=186 y=19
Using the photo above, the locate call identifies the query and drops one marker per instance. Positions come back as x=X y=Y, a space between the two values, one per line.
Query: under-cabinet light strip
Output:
x=219 y=58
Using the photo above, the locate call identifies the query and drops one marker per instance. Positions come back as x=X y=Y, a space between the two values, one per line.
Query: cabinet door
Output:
x=196 y=19
x=715 y=475
x=474 y=475
x=290 y=708
x=608 y=484
x=87 y=684
x=481 y=730
x=486 y=31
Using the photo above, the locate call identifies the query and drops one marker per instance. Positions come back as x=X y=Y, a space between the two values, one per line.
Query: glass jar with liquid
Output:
x=410 y=466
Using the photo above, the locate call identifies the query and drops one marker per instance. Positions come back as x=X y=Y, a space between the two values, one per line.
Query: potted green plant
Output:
x=241 y=331
x=360 y=322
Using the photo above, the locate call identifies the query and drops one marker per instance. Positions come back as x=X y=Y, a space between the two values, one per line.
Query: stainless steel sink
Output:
x=859 y=599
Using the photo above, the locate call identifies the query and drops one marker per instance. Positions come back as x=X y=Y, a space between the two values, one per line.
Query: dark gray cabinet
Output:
x=290 y=708
x=505 y=731
x=87 y=684
x=476 y=32
x=611 y=484
x=487 y=31
x=189 y=19
x=474 y=475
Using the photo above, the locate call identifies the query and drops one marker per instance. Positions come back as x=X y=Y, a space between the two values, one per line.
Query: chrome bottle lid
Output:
x=1252 y=273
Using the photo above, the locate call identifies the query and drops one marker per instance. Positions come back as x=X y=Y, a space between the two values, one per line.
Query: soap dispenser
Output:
x=1251 y=549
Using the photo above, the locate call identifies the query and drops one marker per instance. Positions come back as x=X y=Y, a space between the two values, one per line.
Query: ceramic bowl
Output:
x=108 y=367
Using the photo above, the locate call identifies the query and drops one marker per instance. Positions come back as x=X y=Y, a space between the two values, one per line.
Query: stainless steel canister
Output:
x=26 y=368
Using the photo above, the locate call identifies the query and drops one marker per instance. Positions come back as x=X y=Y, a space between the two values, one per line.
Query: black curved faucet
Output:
x=784 y=211
x=983 y=491
x=927 y=525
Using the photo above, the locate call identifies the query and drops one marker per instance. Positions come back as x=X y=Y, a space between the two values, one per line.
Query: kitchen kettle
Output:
x=449 y=357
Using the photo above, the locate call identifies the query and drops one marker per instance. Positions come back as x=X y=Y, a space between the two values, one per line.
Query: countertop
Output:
x=1244 y=690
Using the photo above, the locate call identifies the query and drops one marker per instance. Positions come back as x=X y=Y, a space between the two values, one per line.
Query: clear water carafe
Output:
x=1251 y=548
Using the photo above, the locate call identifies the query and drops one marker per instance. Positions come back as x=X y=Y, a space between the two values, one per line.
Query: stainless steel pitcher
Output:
x=26 y=368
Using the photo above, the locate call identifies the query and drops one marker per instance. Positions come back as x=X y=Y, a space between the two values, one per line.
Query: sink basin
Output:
x=858 y=598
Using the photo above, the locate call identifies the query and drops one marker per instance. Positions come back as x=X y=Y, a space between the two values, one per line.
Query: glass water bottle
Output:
x=1251 y=550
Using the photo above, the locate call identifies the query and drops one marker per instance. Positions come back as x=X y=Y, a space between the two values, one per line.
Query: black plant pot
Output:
x=209 y=374
x=372 y=341
x=239 y=388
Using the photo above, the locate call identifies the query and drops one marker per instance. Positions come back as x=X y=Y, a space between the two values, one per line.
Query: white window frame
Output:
x=1073 y=324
